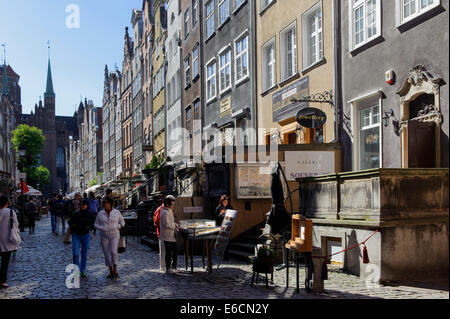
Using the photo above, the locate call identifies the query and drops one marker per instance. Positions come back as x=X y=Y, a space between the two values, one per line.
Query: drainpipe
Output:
x=254 y=75
x=336 y=8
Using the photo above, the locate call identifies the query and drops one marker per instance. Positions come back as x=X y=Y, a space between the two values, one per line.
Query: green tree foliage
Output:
x=38 y=177
x=93 y=182
x=32 y=140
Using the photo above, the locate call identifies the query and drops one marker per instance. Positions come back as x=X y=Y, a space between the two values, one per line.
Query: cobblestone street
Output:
x=38 y=271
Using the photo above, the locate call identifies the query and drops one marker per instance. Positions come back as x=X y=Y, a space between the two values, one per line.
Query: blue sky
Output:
x=78 y=56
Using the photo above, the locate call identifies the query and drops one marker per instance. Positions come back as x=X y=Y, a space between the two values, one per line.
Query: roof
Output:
x=9 y=71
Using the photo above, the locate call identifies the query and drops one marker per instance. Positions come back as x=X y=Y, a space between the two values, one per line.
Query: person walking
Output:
x=109 y=193
x=93 y=207
x=80 y=224
x=38 y=204
x=109 y=221
x=6 y=247
x=72 y=206
x=168 y=228
x=51 y=207
x=60 y=209
x=30 y=212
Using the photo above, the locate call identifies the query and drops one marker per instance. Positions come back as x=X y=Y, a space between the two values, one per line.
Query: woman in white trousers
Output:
x=108 y=222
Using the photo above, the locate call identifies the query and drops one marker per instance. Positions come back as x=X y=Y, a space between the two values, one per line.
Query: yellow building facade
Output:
x=295 y=60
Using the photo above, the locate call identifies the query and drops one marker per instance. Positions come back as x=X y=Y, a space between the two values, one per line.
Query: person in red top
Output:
x=156 y=221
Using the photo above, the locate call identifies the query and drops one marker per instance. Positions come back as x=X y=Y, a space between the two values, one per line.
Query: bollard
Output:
x=318 y=284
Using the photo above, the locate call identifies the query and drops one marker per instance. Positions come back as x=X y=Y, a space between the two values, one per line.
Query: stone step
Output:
x=241 y=246
x=240 y=255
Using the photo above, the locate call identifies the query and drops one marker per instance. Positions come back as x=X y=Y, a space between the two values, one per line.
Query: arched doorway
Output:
x=421 y=119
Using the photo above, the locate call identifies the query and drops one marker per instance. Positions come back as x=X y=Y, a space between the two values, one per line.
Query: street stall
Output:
x=203 y=230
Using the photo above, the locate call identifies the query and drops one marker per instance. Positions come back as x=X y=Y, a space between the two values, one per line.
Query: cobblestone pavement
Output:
x=38 y=271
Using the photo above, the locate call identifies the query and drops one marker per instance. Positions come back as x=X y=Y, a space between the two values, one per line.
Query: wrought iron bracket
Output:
x=325 y=97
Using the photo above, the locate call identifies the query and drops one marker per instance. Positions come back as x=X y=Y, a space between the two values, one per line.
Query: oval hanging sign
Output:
x=311 y=117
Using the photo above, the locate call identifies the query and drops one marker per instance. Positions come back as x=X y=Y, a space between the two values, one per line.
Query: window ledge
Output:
x=225 y=91
x=296 y=75
x=196 y=78
x=211 y=100
x=187 y=86
x=241 y=81
x=314 y=65
x=412 y=22
x=223 y=23
x=267 y=7
x=363 y=46
x=210 y=37
x=267 y=91
x=236 y=10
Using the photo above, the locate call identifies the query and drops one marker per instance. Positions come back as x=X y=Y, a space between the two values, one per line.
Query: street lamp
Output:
x=81 y=181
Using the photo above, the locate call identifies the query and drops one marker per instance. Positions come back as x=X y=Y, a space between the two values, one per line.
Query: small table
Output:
x=189 y=238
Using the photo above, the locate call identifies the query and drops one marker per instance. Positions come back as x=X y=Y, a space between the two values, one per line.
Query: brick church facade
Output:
x=57 y=131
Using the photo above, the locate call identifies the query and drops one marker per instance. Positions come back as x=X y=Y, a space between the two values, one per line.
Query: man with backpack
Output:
x=156 y=221
x=60 y=211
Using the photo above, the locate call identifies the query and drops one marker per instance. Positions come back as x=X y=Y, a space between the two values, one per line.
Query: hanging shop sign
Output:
x=309 y=163
x=283 y=106
x=311 y=117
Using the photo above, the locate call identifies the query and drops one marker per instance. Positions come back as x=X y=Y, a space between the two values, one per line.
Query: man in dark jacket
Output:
x=80 y=224
x=51 y=207
x=30 y=212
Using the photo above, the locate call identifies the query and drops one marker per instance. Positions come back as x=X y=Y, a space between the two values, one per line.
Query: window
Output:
x=196 y=110
x=187 y=71
x=410 y=9
x=268 y=71
x=312 y=36
x=241 y=58
x=211 y=80
x=188 y=117
x=195 y=62
x=225 y=70
x=237 y=3
x=186 y=23
x=288 y=52
x=265 y=3
x=224 y=10
x=194 y=12
x=365 y=22
x=369 y=137
x=210 y=23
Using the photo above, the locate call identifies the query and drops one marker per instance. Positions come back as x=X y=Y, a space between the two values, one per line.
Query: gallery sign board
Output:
x=308 y=163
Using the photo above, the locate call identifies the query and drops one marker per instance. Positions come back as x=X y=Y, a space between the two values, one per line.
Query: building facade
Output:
x=158 y=79
x=9 y=102
x=397 y=121
x=126 y=102
x=173 y=80
x=109 y=114
x=228 y=55
x=146 y=49
x=136 y=92
x=295 y=59
x=88 y=149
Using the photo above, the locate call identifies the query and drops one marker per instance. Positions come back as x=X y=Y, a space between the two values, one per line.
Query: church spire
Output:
x=49 y=90
x=5 y=89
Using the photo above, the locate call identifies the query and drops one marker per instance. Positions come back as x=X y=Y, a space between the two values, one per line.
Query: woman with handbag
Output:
x=109 y=222
x=9 y=237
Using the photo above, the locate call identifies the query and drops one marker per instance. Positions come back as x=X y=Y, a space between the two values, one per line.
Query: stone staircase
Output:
x=243 y=246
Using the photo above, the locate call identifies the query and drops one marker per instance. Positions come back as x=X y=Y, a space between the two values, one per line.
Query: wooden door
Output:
x=421 y=144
